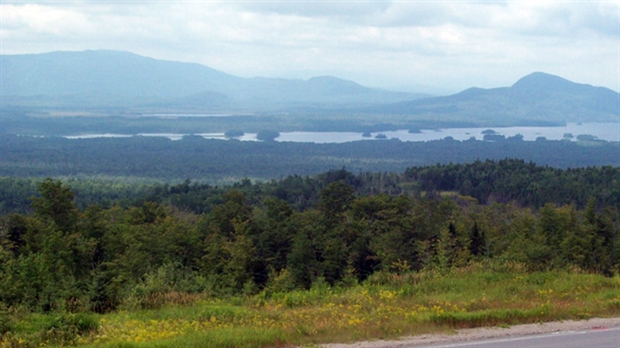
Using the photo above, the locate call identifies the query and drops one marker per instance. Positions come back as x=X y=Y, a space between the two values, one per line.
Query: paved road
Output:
x=599 y=338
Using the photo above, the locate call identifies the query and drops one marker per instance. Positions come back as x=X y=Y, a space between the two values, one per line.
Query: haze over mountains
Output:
x=114 y=79
x=536 y=98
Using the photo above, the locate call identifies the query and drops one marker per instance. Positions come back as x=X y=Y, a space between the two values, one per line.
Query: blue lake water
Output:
x=602 y=131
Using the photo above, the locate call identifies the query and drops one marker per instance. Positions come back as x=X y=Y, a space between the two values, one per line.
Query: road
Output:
x=599 y=338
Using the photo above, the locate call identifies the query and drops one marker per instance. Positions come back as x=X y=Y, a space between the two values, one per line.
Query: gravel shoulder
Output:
x=487 y=332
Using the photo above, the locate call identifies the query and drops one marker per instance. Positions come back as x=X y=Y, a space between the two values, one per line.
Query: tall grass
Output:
x=386 y=306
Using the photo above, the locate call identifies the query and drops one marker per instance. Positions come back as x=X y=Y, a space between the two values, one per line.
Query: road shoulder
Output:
x=486 y=333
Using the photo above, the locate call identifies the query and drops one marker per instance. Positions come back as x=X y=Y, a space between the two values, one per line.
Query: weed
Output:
x=6 y=322
x=386 y=306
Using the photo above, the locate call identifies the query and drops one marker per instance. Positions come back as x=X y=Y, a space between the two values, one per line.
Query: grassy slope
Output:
x=386 y=306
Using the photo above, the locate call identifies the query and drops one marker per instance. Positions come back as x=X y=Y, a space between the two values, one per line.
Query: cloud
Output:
x=315 y=9
x=32 y=18
x=454 y=43
x=600 y=17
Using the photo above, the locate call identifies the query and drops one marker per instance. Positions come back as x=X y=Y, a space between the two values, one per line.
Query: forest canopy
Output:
x=337 y=227
x=218 y=161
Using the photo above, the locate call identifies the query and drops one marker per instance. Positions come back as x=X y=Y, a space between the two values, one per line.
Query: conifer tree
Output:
x=477 y=246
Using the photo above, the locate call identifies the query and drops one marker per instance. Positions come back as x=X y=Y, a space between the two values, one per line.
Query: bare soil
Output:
x=487 y=332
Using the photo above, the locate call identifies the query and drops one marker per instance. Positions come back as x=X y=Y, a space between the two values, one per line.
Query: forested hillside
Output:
x=216 y=161
x=503 y=181
x=337 y=227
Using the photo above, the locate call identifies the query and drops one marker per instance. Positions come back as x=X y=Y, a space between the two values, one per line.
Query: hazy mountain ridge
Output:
x=105 y=72
x=535 y=98
x=115 y=79
x=140 y=81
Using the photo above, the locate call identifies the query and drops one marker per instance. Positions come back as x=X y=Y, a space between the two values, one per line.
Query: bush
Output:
x=280 y=282
x=66 y=328
x=168 y=284
x=6 y=323
x=267 y=135
x=80 y=323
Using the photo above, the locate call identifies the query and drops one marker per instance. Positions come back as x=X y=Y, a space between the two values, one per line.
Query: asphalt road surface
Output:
x=597 y=338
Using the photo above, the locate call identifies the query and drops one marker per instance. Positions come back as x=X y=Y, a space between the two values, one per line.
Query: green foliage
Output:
x=75 y=324
x=483 y=293
x=488 y=318
x=54 y=329
x=267 y=135
x=281 y=282
x=335 y=200
x=223 y=161
x=6 y=322
x=56 y=204
x=16 y=233
x=515 y=180
x=302 y=262
x=277 y=237
x=478 y=243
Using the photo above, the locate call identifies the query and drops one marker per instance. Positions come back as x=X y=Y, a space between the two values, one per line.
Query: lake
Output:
x=602 y=131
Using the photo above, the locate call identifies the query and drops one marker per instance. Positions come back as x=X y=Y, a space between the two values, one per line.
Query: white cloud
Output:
x=41 y=20
x=386 y=43
x=314 y=9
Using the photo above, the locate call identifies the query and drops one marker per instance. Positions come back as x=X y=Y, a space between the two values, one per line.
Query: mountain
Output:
x=538 y=98
x=114 y=78
x=123 y=80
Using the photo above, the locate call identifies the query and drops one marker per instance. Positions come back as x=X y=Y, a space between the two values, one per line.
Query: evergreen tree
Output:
x=56 y=204
x=335 y=200
x=302 y=261
x=477 y=245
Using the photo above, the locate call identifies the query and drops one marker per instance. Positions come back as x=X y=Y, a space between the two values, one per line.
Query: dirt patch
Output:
x=487 y=332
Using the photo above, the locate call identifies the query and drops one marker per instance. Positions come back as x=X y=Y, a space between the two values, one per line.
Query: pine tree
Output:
x=477 y=246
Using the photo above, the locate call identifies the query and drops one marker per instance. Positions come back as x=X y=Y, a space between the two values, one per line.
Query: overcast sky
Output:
x=436 y=46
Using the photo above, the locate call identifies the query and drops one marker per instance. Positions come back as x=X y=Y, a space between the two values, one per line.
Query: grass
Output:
x=386 y=306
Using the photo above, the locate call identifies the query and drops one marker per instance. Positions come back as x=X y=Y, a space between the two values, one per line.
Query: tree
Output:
x=302 y=261
x=16 y=233
x=233 y=210
x=56 y=203
x=267 y=135
x=477 y=245
x=275 y=238
x=335 y=199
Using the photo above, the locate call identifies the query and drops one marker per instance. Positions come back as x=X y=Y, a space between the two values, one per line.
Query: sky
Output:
x=435 y=47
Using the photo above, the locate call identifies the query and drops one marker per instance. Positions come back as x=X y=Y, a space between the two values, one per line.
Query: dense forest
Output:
x=337 y=227
x=226 y=161
x=503 y=181
x=34 y=121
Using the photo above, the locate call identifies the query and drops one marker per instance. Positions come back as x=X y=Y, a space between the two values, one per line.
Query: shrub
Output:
x=6 y=324
x=66 y=328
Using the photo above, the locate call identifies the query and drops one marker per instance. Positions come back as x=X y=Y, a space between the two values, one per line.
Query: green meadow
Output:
x=386 y=306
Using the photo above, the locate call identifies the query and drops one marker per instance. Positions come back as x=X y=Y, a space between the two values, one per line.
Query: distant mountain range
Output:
x=113 y=79
x=534 y=99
